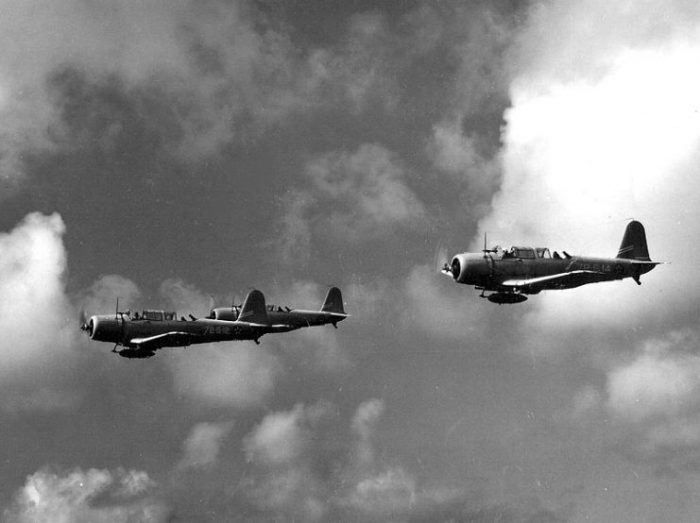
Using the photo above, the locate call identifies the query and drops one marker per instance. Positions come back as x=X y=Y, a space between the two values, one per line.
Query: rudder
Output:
x=634 y=243
x=334 y=301
x=254 y=310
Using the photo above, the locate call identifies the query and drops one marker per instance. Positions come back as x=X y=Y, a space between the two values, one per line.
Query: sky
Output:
x=176 y=154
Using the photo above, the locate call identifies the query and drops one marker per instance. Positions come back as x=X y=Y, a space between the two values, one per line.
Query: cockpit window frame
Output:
x=525 y=253
x=543 y=253
x=158 y=315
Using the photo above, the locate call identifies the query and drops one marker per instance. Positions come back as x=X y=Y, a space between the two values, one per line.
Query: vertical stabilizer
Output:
x=253 y=310
x=334 y=301
x=634 y=243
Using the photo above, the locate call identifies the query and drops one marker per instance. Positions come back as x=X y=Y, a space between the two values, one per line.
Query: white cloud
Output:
x=101 y=297
x=49 y=497
x=279 y=438
x=203 y=444
x=603 y=126
x=654 y=385
x=389 y=493
x=353 y=197
x=186 y=298
x=456 y=154
x=651 y=402
x=281 y=448
x=364 y=424
x=212 y=58
x=33 y=264
x=229 y=70
x=235 y=374
x=438 y=306
x=304 y=467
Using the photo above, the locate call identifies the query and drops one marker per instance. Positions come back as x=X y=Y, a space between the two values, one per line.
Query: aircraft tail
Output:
x=334 y=301
x=254 y=310
x=634 y=243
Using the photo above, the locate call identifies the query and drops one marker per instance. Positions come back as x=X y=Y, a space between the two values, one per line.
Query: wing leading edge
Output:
x=167 y=339
x=563 y=280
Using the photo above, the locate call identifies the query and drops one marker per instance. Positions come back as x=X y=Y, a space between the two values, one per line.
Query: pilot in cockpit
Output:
x=510 y=253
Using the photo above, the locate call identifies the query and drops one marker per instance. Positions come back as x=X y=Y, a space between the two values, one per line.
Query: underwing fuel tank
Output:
x=470 y=268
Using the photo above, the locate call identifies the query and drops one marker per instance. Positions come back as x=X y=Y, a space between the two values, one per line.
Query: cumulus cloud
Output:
x=599 y=133
x=101 y=296
x=437 y=306
x=91 y=495
x=209 y=59
x=653 y=385
x=33 y=264
x=186 y=298
x=651 y=401
x=363 y=424
x=235 y=374
x=353 y=196
x=387 y=494
x=306 y=465
x=281 y=449
x=223 y=71
x=202 y=446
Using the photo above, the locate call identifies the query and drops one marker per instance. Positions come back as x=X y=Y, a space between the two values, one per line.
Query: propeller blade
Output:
x=440 y=259
x=83 y=319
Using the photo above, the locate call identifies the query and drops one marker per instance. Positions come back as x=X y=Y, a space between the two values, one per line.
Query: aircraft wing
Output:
x=269 y=327
x=563 y=280
x=167 y=339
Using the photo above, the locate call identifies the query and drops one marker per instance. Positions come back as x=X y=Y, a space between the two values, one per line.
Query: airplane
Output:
x=141 y=335
x=511 y=275
x=332 y=311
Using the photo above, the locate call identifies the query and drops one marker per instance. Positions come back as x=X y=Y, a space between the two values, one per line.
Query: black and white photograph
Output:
x=363 y=261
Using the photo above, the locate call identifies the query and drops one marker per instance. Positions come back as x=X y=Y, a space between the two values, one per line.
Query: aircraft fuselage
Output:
x=488 y=271
x=121 y=330
x=295 y=318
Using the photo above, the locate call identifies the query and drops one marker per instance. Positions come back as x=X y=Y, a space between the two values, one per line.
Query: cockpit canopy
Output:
x=528 y=253
x=156 y=315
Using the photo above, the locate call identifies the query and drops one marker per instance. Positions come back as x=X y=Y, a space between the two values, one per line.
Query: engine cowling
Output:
x=105 y=328
x=471 y=268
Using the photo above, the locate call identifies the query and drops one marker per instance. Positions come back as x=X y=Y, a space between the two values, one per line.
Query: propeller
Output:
x=85 y=326
x=440 y=258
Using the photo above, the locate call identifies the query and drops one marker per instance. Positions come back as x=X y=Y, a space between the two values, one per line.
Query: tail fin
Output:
x=634 y=243
x=334 y=301
x=253 y=310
